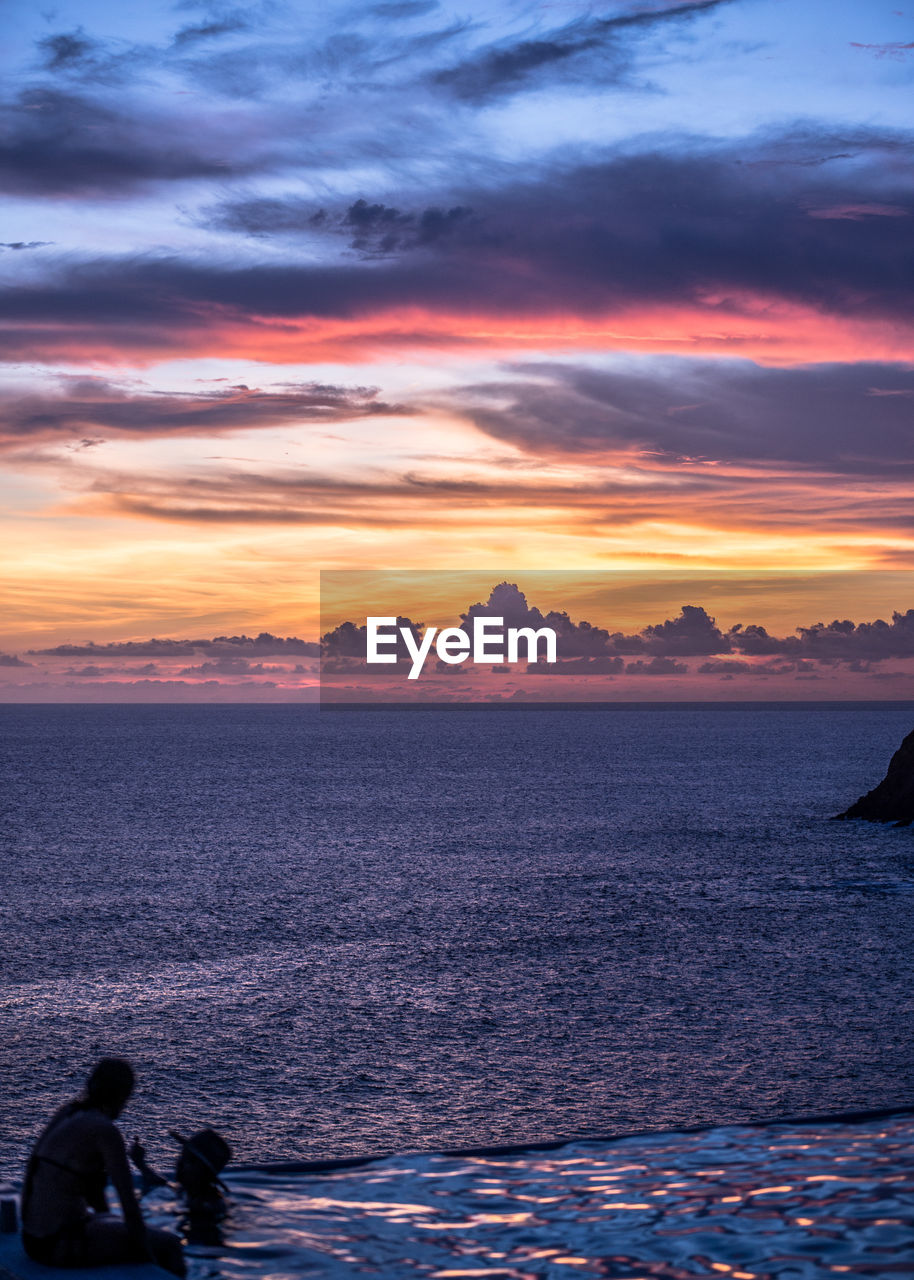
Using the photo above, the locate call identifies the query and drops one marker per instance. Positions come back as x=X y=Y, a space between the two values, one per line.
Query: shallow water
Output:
x=800 y=1201
x=369 y=931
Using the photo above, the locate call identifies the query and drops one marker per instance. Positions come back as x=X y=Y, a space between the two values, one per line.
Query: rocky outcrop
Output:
x=893 y=799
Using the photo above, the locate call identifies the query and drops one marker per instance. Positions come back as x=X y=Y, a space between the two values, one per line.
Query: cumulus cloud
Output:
x=688 y=644
x=344 y=648
x=692 y=633
x=838 y=641
x=583 y=647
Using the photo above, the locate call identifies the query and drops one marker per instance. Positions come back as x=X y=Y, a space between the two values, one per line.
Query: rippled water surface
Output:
x=785 y=1202
x=355 y=931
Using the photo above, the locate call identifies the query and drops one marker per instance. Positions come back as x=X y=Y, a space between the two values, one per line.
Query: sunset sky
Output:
x=418 y=285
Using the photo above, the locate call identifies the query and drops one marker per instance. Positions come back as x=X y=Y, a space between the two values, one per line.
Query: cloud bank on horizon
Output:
x=411 y=283
x=593 y=662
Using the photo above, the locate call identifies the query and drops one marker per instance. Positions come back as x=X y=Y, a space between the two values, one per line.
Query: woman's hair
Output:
x=110 y=1081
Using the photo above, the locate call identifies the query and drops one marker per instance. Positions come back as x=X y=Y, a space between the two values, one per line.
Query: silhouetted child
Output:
x=200 y=1160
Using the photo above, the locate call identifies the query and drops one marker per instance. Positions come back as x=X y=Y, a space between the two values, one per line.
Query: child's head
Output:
x=200 y=1161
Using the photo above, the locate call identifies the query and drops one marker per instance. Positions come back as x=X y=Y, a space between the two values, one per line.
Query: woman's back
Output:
x=67 y=1169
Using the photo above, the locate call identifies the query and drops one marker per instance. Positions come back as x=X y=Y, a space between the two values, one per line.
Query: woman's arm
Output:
x=111 y=1145
x=151 y=1179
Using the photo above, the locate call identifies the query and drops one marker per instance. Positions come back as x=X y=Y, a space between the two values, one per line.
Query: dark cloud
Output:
x=372 y=228
x=656 y=667
x=850 y=418
x=231 y=24
x=839 y=641
x=25 y=244
x=583 y=649
x=97 y=64
x=123 y=649
x=403 y=9
x=55 y=143
x=579 y=646
x=755 y=640
x=220 y=646
x=94 y=672
x=67 y=49
x=382 y=229
x=393 y=75
x=265 y=216
x=702 y=230
x=343 y=651
x=691 y=634
x=580 y=667
x=586 y=48
x=576 y=642
x=728 y=667
x=377 y=87
x=93 y=404
x=230 y=665
x=506 y=69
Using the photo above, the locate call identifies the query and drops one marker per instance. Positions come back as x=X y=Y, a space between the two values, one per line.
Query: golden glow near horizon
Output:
x=153 y=537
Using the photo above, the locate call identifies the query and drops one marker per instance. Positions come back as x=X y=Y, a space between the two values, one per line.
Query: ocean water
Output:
x=358 y=931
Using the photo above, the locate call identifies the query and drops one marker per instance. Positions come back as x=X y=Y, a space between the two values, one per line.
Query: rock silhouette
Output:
x=893 y=799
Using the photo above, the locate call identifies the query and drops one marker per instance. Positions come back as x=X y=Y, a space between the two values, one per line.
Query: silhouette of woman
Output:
x=65 y=1216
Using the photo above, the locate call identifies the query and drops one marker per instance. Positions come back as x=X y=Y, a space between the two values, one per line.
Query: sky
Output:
x=618 y=288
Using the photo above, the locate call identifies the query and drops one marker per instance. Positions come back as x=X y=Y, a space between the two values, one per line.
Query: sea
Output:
x=372 y=930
